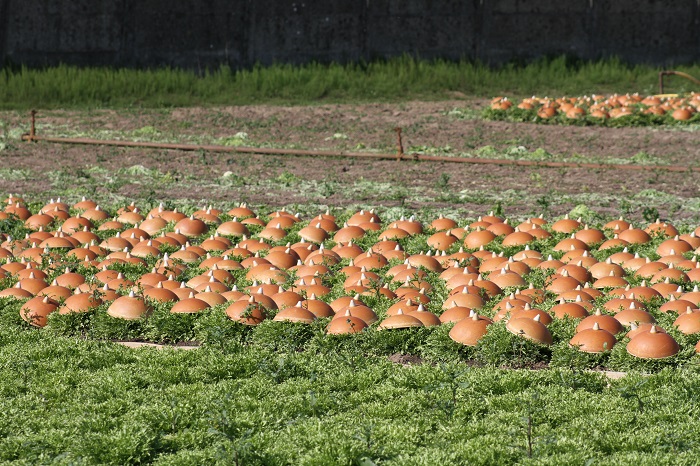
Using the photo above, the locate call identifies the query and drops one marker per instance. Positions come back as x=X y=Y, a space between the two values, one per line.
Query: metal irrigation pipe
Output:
x=674 y=73
x=398 y=156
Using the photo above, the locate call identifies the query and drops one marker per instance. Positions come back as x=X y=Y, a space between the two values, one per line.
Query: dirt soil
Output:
x=426 y=125
x=405 y=359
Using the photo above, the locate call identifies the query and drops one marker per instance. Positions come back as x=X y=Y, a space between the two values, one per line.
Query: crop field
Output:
x=171 y=307
x=613 y=110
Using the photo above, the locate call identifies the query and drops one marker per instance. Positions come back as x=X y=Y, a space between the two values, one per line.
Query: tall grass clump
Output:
x=396 y=79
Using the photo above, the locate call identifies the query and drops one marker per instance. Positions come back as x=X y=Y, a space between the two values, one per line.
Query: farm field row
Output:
x=605 y=110
x=283 y=392
x=90 y=271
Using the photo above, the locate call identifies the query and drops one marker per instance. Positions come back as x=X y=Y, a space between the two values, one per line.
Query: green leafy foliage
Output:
x=283 y=337
x=163 y=326
x=396 y=79
x=256 y=406
x=499 y=348
x=105 y=327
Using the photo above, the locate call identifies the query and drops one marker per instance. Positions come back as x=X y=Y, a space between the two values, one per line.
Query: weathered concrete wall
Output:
x=525 y=30
x=186 y=33
x=430 y=29
x=659 y=31
x=302 y=31
x=198 y=34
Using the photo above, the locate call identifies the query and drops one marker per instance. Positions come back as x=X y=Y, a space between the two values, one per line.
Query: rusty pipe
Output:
x=399 y=142
x=32 y=128
x=674 y=73
x=365 y=155
x=202 y=147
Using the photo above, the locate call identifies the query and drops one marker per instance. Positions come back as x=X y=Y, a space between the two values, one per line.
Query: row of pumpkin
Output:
x=681 y=108
x=457 y=255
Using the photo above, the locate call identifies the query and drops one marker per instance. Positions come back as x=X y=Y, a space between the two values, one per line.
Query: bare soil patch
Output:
x=405 y=359
x=335 y=181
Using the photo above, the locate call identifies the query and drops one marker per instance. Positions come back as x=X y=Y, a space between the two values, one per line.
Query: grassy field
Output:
x=394 y=80
x=70 y=401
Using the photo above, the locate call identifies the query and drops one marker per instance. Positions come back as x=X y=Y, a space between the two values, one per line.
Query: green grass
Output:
x=73 y=401
x=393 y=80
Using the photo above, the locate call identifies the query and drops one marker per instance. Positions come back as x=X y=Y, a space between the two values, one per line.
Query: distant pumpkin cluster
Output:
x=291 y=282
x=681 y=108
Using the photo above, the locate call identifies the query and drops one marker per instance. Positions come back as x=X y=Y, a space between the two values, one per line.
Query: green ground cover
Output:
x=397 y=79
x=283 y=393
x=72 y=401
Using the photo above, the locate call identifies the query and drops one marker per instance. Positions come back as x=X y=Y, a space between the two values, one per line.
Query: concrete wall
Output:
x=199 y=34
